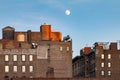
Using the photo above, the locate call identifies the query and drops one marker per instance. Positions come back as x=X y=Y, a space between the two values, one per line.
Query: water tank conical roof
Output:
x=8 y=33
x=8 y=28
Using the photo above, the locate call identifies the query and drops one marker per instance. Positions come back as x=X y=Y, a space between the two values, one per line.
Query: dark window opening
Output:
x=6 y=78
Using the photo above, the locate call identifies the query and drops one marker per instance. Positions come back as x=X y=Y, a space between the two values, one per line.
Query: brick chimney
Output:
x=113 y=46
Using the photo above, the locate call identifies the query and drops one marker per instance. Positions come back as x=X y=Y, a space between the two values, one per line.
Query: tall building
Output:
x=35 y=54
x=101 y=62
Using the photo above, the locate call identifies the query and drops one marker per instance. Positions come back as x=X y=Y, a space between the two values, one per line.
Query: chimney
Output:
x=113 y=46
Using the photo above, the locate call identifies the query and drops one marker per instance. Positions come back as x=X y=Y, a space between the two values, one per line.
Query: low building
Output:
x=84 y=65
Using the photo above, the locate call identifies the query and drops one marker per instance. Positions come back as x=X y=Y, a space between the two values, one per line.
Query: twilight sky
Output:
x=90 y=21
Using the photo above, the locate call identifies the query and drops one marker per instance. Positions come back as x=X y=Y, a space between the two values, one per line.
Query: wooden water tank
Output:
x=45 y=31
x=8 y=33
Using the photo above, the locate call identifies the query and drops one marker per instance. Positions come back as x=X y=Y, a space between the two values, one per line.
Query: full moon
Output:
x=67 y=12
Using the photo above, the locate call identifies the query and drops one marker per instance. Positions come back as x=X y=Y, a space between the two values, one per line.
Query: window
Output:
x=30 y=57
x=102 y=73
x=14 y=68
x=14 y=57
x=31 y=68
x=23 y=57
x=102 y=56
x=67 y=48
x=6 y=58
x=109 y=64
x=60 y=48
x=102 y=64
x=23 y=68
x=109 y=56
x=6 y=68
x=109 y=73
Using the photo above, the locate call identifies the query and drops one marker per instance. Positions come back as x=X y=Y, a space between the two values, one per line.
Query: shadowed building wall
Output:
x=84 y=65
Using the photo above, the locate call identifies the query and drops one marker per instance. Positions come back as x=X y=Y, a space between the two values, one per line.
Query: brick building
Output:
x=84 y=65
x=35 y=54
x=107 y=60
x=103 y=61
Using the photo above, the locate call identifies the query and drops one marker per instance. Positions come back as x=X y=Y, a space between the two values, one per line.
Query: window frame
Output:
x=61 y=48
x=15 y=69
x=102 y=73
x=68 y=48
x=109 y=56
x=6 y=57
x=109 y=64
x=23 y=69
x=15 y=57
x=23 y=57
x=109 y=73
x=30 y=57
x=102 y=64
x=7 y=68
x=31 y=68
x=102 y=56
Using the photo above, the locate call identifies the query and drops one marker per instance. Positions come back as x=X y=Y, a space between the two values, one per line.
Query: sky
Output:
x=90 y=21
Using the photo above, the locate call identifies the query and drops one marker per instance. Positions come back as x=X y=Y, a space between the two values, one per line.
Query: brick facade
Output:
x=84 y=65
x=107 y=61
x=103 y=61
x=50 y=56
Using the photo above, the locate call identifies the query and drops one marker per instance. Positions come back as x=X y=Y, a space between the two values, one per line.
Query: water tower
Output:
x=8 y=33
